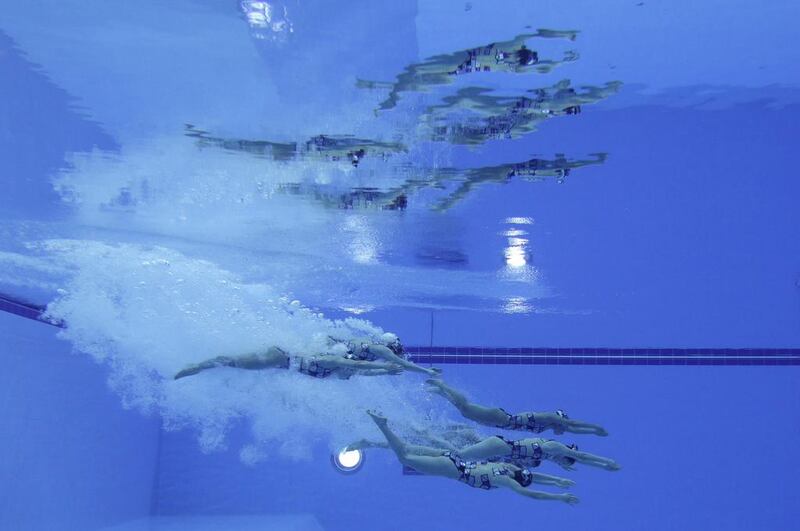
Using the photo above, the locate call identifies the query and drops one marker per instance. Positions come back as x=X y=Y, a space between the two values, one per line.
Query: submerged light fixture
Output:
x=347 y=461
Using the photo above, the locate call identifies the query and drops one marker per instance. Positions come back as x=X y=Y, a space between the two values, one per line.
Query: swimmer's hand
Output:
x=565 y=483
x=394 y=368
x=612 y=466
x=569 y=499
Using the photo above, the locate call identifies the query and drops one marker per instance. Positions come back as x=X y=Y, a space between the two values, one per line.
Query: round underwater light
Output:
x=348 y=461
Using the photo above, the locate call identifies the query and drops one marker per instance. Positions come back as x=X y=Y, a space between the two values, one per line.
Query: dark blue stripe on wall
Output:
x=540 y=355
x=603 y=356
x=25 y=309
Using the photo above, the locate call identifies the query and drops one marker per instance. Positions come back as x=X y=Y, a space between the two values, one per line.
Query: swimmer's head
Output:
x=526 y=57
x=523 y=477
x=393 y=342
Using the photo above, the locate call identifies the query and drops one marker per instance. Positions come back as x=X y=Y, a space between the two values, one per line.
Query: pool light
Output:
x=347 y=461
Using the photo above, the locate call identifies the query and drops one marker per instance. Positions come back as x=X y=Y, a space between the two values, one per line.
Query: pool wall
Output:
x=73 y=458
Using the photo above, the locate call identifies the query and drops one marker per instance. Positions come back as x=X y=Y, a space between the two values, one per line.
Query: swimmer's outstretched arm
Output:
x=362 y=367
x=559 y=423
x=505 y=481
x=581 y=427
x=547 y=479
x=555 y=448
x=488 y=416
x=380 y=372
x=386 y=353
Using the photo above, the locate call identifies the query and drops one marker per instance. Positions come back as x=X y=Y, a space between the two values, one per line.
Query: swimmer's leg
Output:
x=411 y=448
x=487 y=448
x=489 y=416
x=436 y=466
x=363 y=444
x=555 y=448
x=219 y=361
x=272 y=358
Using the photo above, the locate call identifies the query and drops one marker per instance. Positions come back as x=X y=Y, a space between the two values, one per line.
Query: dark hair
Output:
x=523 y=477
x=526 y=56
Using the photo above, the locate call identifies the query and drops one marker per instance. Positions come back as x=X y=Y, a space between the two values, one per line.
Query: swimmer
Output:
x=529 y=453
x=324 y=365
x=429 y=451
x=509 y=56
x=524 y=453
x=536 y=422
x=388 y=349
x=533 y=170
x=479 y=475
x=347 y=147
x=318 y=366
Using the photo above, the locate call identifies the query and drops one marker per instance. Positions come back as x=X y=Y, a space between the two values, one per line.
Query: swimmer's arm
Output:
x=379 y=372
x=362 y=366
x=502 y=481
x=547 y=479
x=385 y=353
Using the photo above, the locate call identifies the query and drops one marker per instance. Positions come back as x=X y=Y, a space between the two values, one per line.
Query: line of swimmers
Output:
x=486 y=463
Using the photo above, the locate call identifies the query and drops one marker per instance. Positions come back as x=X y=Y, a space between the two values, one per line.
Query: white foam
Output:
x=149 y=311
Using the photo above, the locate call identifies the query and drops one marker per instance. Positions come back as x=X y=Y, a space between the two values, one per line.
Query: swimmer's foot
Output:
x=377 y=417
x=357 y=445
x=188 y=371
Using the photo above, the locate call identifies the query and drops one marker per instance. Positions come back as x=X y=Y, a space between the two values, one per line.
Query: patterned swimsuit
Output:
x=528 y=422
x=482 y=480
x=523 y=455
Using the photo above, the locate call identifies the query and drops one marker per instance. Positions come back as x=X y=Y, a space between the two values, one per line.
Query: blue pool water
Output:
x=166 y=194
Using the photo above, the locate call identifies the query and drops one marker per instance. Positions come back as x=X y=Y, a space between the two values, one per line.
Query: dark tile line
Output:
x=604 y=356
x=540 y=355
